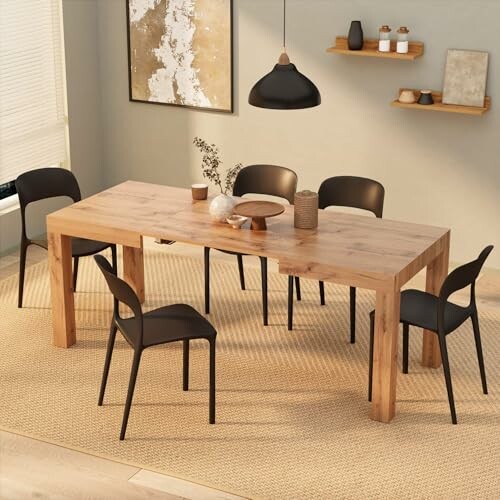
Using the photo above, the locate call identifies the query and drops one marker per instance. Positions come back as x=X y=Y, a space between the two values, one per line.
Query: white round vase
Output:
x=221 y=207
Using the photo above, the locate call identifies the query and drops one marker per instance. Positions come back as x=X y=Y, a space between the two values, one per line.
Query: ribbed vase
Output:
x=306 y=210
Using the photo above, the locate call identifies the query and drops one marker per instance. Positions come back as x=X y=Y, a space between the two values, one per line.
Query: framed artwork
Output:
x=181 y=53
x=465 y=78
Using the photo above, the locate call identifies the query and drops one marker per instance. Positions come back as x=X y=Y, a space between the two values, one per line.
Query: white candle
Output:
x=384 y=46
x=402 y=47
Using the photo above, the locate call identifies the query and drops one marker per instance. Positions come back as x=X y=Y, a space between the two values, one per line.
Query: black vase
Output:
x=355 y=38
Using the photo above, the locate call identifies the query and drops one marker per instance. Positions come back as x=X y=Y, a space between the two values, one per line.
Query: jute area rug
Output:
x=292 y=412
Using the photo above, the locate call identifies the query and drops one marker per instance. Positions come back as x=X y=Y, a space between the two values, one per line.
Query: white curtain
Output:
x=32 y=87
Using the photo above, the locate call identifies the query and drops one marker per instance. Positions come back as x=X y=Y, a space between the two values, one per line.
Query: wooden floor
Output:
x=34 y=469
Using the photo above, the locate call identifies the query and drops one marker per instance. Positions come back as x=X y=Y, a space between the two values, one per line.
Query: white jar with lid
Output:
x=384 y=44
x=402 y=44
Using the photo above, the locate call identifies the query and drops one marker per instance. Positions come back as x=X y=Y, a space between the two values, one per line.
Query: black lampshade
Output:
x=285 y=88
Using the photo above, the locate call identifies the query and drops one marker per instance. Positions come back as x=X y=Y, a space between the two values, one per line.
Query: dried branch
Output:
x=211 y=164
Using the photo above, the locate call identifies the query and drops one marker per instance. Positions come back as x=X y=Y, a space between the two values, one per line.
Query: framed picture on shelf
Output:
x=181 y=53
x=465 y=78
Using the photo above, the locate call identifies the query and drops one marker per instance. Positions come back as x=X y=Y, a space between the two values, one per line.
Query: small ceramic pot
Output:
x=407 y=97
x=199 y=191
x=426 y=98
x=221 y=208
x=236 y=221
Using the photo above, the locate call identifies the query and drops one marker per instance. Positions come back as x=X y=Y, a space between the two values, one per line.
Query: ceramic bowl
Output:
x=407 y=97
x=426 y=98
x=236 y=221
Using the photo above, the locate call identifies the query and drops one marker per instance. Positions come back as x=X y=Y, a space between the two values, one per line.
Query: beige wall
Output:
x=82 y=65
x=437 y=168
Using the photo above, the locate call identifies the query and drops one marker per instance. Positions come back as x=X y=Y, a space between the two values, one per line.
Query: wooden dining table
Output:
x=354 y=250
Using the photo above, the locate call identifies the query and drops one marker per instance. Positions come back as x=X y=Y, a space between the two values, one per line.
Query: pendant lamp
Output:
x=285 y=87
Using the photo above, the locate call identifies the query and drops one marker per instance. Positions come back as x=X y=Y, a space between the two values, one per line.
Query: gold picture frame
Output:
x=180 y=53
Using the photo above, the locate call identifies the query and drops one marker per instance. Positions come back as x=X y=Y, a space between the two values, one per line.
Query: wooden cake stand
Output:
x=259 y=211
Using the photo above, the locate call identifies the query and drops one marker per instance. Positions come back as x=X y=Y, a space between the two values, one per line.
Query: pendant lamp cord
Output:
x=284 y=24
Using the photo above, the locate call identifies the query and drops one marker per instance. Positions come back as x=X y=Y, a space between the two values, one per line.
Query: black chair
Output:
x=257 y=179
x=437 y=314
x=353 y=192
x=42 y=184
x=160 y=326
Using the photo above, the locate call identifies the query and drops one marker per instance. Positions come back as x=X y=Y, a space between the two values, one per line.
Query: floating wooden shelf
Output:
x=370 y=49
x=444 y=108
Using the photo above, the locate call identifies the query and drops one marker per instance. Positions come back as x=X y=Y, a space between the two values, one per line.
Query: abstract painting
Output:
x=180 y=52
x=465 y=78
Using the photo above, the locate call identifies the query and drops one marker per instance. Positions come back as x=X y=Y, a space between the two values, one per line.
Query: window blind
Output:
x=32 y=87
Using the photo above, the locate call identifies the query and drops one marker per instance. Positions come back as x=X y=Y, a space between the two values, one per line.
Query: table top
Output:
x=348 y=249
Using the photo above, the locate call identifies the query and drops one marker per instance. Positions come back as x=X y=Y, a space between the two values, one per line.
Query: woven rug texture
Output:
x=292 y=410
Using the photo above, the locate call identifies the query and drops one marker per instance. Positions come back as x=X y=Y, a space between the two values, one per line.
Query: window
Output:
x=33 y=130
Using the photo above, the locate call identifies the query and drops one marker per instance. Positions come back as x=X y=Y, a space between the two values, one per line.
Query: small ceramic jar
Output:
x=407 y=96
x=384 y=44
x=199 y=191
x=402 y=44
x=426 y=98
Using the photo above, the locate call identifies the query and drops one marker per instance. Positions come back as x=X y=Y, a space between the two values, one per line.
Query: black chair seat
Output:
x=82 y=247
x=169 y=324
x=421 y=309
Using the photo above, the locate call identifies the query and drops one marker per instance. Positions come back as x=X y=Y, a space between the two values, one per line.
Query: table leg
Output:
x=63 y=305
x=437 y=271
x=133 y=270
x=385 y=355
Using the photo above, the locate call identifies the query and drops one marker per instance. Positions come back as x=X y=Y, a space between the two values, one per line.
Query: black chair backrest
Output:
x=463 y=277
x=354 y=192
x=266 y=179
x=122 y=292
x=45 y=183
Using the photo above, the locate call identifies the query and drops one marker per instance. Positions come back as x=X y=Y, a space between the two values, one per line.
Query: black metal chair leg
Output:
x=185 y=365
x=22 y=269
x=130 y=393
x=322 y=293
x=406 y=346
x=352 y=295
x=263 y=270
x=212 y=383
x=370 y=364
x=479 y=349
x=290 y=303
x=241 y=271
x=207 y=280
x=114 y=259
x=447 y=376
x=297 y=287
x=107 y=362
x=76 y=260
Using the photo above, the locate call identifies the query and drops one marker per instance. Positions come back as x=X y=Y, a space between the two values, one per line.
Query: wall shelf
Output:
x=444 y=108
x=370 y=49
